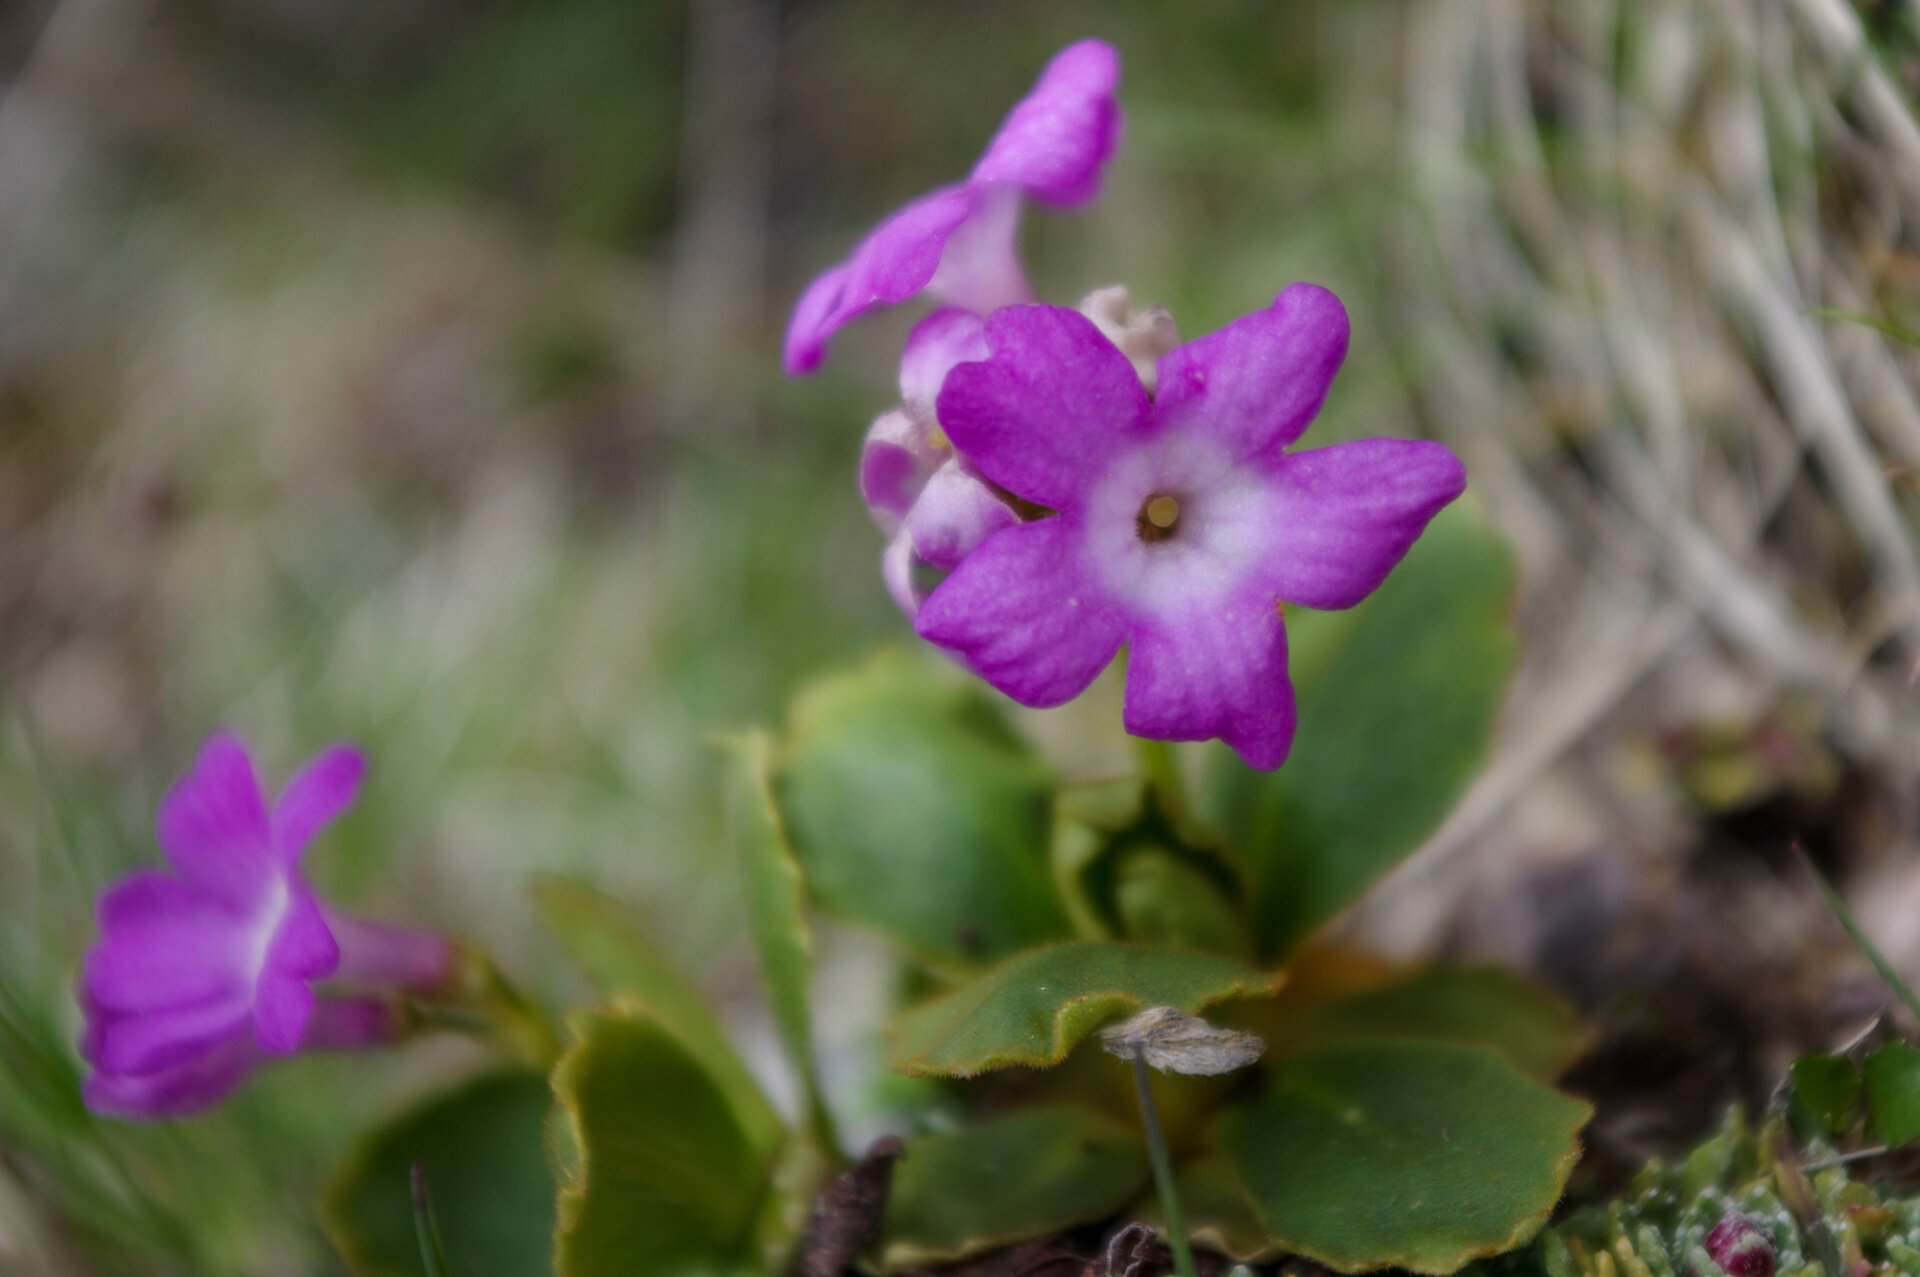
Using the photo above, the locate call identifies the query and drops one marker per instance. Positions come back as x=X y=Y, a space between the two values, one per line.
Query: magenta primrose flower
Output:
x=958 y=242
x=202 y=974
x=1178 y=521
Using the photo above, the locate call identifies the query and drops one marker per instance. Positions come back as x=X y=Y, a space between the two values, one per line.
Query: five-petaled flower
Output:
x=1178 y=521
x=202 y=974
x=958 y=242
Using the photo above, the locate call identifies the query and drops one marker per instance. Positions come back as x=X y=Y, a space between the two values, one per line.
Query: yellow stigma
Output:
x=1163 y=512
x=937 y=440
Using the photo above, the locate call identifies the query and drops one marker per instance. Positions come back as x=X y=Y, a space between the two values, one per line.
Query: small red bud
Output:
x=1739 y=1247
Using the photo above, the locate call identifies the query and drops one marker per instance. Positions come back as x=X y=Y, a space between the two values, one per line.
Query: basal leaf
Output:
x=1167 y=896
x=605 y=940
x=1829 y=1085
x=669 y=1181
x=1488 y=1006
x=480 y=1147
x=1036 y=1006
x=1415 y=1155
x=1086 y=817
x=776 y=910
x=917 y=814
x=1892 y=1075
x=1397 y=701
x=1127 y=871
x=1031 y=1172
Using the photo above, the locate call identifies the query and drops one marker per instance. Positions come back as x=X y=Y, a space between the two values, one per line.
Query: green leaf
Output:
x=1029 y=1173
x=605 y=940
x=1829 y=1085
x=1127 y=871
x=776 y=912
x=1167 y=896
x=1884 y=327
x=1036 y=1006
x=481 y=1149
x=1086 y=817
x=1484 y=1006
x=1397 y=701
x=668 y=1180
x=917 y=814
x=1892 y=1075
x=1403 y=1154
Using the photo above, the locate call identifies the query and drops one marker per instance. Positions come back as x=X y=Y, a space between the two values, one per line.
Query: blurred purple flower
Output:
x=201 y=974
x=1180 y=522
x=958 y=242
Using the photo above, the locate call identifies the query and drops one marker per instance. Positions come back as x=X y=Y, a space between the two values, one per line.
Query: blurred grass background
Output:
x=407 y=373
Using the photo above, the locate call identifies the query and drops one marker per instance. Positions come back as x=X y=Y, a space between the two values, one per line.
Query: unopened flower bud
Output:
x=1738 y=1246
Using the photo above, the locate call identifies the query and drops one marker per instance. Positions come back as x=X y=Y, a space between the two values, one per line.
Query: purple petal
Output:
x=1055 y=139
x=1346 y=514
x=980 y=262
x=163 y=944
x=380 y=956
x=809 y=329
x=303 y=947
x=956 y=511
x=1042 y=415
x=349 y=1024
x=896 y=569
x=1254 y=385
x=895 y=463
x=1025 y=614
x=947 y=337
x=281 y=1007
x=188 y=1086
x=890 y=265
x=159 y=1038
x=1215 y=672
x=322 y=790
x=213 y=824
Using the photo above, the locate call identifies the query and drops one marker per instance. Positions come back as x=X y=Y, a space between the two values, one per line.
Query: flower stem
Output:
x=1163 y=1172
x=426 y=1229
x=1161 y=768
x=1859 y=936
x=485 y=1003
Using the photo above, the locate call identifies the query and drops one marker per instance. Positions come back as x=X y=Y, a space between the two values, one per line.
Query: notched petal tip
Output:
x=1347 y=514
x=1214 y=673
x=1256 y=384
x=316 y=796
x=1303 y=303
x=1055 y=141
x=958 y=240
